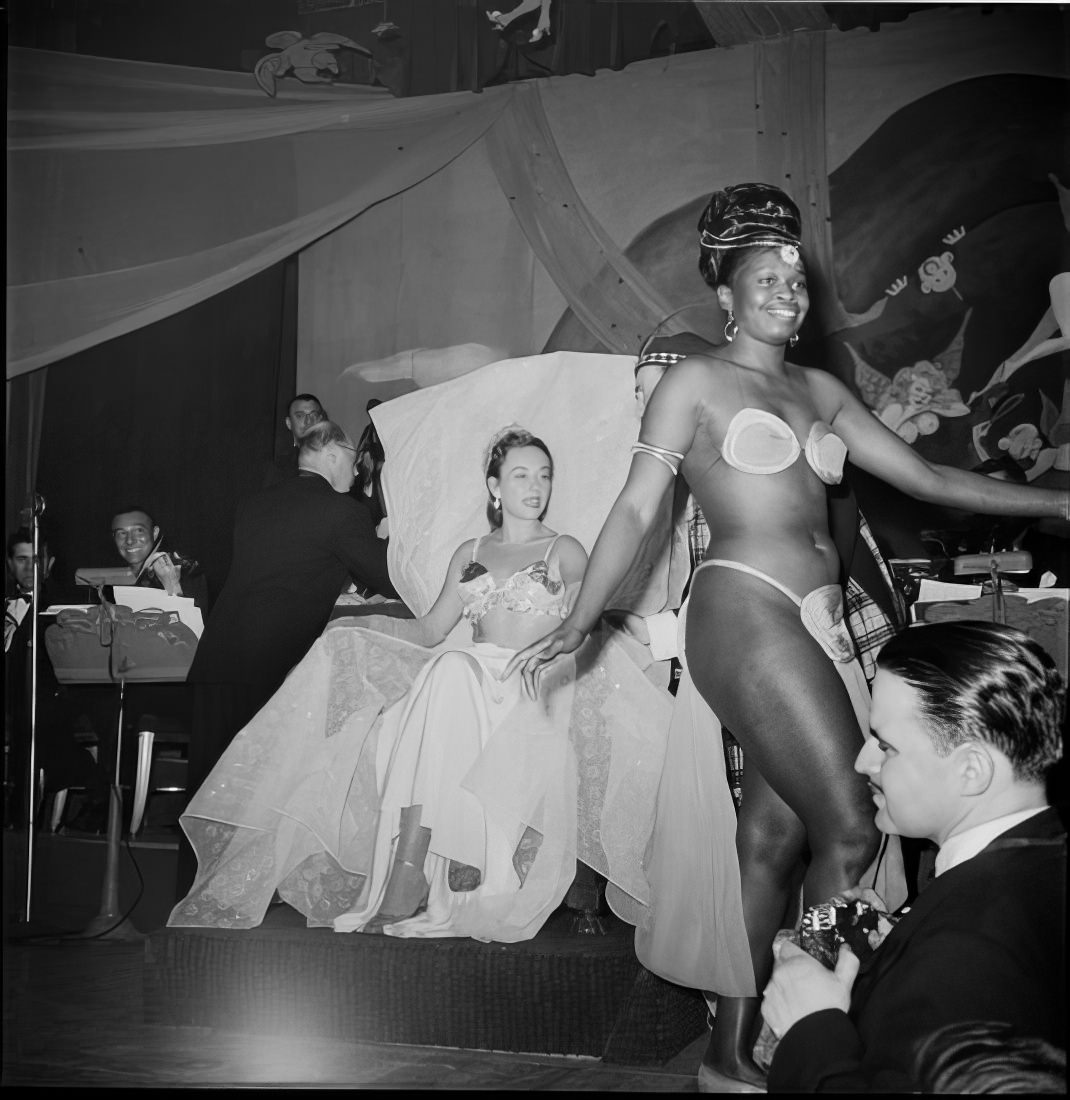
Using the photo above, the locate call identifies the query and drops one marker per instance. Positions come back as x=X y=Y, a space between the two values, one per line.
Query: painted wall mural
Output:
x=951 y=235
x=956 y=206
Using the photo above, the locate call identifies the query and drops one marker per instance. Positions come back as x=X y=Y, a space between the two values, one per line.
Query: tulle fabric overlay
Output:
x=294 y=804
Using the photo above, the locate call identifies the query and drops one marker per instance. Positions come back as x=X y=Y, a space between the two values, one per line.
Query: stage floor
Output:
x=74 y=1015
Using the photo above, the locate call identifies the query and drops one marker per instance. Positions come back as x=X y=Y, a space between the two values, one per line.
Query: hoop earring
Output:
x=793 y=339
x=730 y=323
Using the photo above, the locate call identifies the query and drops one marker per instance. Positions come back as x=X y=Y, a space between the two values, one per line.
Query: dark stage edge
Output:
x=560 y=993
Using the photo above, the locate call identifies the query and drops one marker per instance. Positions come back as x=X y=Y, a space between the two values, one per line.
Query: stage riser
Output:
x=554 y=995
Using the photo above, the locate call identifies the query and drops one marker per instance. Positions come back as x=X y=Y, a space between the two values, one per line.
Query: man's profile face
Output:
x=20 y=565
x=134 y=535
x=304 y=415
x=914 y=789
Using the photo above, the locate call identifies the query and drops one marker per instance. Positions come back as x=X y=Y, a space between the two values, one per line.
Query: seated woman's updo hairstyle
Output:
x=746 y=215
x=500 y=446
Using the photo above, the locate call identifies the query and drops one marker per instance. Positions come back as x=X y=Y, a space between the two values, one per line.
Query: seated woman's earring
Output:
x=497 y=504
x=730 y=324
x=794 y=339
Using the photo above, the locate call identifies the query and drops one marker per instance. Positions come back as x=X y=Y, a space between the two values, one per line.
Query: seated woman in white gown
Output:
x=397 y=783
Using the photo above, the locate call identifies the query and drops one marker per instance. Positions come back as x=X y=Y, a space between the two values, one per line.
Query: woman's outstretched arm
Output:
x=669 y=423
x=444 y=614
x=879 y=451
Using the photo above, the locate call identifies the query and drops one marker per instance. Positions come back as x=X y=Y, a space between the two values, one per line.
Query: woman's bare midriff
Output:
x=513 y=629
x=777 y=523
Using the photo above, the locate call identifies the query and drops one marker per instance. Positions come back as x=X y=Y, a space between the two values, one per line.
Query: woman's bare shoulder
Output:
x=820 y=380
x=570 y=545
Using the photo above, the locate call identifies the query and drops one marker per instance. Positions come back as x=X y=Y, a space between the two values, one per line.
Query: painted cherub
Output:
x=912 y=402
x=309 y=59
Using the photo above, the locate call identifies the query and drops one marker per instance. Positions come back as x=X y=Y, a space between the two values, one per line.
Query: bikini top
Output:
x=758 y=442
x=533 y=590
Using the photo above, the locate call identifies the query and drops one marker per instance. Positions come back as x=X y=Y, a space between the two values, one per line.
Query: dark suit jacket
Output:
x=295 y=545
x=985 y=941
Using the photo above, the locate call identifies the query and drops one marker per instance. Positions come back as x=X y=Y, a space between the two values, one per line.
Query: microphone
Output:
x=35 y=508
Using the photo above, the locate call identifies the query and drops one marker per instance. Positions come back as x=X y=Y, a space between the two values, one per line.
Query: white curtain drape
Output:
x=137 y=190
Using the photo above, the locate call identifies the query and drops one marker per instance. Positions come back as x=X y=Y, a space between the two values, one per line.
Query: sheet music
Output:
x=155 y=599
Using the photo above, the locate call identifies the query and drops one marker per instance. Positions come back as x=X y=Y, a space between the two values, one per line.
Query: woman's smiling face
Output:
x=768 y=295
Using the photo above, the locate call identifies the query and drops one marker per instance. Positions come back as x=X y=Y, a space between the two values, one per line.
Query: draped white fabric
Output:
x=581 y=405
x=137 y=190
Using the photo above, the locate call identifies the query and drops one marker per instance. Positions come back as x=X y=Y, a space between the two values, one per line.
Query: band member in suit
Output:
x=297 y=544
x=64 y=762
x=303 y=412
x=139 y=543
x=966 y=724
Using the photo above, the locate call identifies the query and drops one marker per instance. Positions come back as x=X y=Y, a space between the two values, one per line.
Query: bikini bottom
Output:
x=820 y=610
x=695 y=934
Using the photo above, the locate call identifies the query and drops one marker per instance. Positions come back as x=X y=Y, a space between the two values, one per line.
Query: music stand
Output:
x=109 y=923
x=995 y=565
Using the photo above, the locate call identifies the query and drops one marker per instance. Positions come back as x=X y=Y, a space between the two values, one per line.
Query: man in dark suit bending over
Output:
x=966 y=722
x=297 y=544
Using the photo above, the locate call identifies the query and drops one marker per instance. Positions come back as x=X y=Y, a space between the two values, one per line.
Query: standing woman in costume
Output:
x=758 y=439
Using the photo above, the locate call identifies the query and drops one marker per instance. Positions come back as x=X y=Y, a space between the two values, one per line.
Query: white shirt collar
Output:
x=965 y=845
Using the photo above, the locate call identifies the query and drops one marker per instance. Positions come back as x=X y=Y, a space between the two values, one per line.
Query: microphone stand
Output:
x=37 y=507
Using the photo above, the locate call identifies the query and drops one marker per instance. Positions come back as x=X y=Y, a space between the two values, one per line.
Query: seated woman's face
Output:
x=525 y=481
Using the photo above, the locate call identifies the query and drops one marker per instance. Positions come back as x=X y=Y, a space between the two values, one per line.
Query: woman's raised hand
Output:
x=533 y=661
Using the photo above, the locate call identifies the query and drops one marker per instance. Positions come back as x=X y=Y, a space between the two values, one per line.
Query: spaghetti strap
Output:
x=475 y=546
x=550 y=549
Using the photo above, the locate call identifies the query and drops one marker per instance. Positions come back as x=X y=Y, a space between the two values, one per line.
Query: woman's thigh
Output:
x=772 y=685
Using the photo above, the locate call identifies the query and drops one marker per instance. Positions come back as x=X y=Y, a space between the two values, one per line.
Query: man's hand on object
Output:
x=864 y=893
x=800 y=986
x=167 y=573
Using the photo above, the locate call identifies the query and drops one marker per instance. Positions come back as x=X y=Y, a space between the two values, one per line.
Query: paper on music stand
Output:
x=155 y=599
x=930 y=591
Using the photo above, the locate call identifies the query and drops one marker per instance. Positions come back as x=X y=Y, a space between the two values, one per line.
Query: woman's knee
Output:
x=852 y=843
x=770 y=843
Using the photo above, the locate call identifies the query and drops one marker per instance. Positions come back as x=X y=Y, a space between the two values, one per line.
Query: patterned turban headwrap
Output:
x=746 y=215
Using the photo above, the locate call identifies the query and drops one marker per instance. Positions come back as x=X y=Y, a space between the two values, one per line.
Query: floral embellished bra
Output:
x=533 y=590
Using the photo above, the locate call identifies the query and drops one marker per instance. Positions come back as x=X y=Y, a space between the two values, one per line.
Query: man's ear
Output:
x=977 y=769
x=289 y=426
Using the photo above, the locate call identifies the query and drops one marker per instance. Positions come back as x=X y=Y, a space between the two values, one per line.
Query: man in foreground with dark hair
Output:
x=296 y=546
x=966 y=722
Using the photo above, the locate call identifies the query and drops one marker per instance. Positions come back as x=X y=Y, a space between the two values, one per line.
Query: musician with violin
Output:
x=140 y=545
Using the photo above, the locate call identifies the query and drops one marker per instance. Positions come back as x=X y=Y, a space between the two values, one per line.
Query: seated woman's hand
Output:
x=533 y=660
